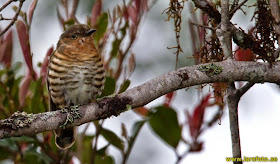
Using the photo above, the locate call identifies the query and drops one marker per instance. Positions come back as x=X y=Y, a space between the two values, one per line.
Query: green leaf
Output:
x=9 y=143
x=16 y=67
x=104 y=159
x=69 y=23
x=33 y=156
x=23 y=139
x=124 y=86
x=101 y=25
x=112 y=138
x=164 y=123
x=115 y=47
x=136 y=128
x=109 y=88
x=124 y=131
x=87 y=147
x=4 y=154
x=103 y=150
x=123 y=29
x=36 y=103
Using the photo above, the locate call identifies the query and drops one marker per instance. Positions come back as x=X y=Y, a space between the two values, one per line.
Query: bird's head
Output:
x=77 y=35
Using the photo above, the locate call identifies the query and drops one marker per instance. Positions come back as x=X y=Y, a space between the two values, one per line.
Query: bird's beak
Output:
x=89 y=32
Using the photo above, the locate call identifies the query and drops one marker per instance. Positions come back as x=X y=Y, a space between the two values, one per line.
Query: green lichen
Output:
x=72 y=114
x=18 y=120
x=211 y=69
x=128 y=107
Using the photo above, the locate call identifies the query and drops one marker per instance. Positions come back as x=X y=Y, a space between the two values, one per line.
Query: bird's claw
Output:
x=72 y=114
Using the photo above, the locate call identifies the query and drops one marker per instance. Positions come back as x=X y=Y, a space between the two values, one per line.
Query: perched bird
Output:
x=75 y=75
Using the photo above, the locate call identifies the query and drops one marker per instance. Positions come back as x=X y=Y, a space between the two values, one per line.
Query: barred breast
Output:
x=74 y=78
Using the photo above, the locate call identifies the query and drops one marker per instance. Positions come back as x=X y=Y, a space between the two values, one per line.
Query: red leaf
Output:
x=137 y=5
x=204 y=18
x=60 y=18
x=23 y=37
x=96 y=12
x=132 y=13
x=168 y=98
x=131 y=63
x=47 y=137
x=31 y=10
x=6 y=49
x=195 y=121
x=23 y=147
x=125 y=13
x=24 y=89
x=43 y=71
x=244 y=55
x=143 y=111
x=145 y=5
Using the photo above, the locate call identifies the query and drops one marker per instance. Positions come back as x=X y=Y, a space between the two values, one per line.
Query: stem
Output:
x=6 y=4
x=14 y=18
x=130 y=145
x=98 y=129
x=233 y=100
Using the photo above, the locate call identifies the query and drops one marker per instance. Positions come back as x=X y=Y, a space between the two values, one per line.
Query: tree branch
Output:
x=233 y=98
x=244 y=89
x=236 y=8
x=23 y=124
x=14 y=18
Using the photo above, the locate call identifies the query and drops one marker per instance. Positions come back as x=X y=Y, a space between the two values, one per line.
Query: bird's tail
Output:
x=65 y=138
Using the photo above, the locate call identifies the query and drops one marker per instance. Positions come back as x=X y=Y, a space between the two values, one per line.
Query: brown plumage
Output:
x=75 y=75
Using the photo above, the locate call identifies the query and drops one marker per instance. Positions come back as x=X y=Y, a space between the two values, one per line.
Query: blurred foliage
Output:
x=28 y=93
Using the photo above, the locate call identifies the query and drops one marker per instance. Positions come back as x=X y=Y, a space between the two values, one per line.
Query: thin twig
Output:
x=6 y=4
x=2 y=18
x=130 y=146
x=97 y=133
x=245 y=88
x=236 y=8
x=203 y=26
x=234 y=4
x=74 y=9
x=14 y=18
x=180 y=157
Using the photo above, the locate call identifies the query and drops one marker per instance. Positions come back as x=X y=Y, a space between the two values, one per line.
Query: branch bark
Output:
x=22 y=124
x=233 y=98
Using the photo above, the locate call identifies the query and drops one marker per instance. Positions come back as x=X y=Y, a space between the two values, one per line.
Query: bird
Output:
x=75 y=76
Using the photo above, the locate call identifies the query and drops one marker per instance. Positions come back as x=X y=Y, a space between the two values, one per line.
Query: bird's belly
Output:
x=82 y=94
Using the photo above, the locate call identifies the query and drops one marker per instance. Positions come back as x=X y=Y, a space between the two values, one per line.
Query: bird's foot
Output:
x=72 y=114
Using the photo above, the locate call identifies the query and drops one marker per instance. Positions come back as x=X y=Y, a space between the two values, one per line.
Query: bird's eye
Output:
x=74 y=36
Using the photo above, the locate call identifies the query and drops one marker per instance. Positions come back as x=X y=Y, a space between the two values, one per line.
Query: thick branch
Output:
x=143 y=94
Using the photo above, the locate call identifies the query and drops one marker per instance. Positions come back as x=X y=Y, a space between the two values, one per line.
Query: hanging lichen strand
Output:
x=264 y=31
x=175 y=11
